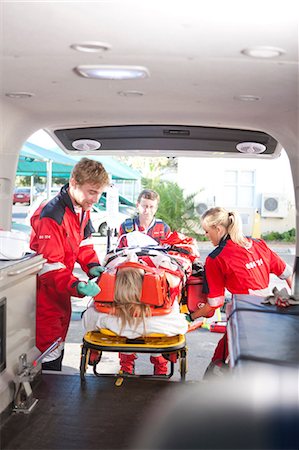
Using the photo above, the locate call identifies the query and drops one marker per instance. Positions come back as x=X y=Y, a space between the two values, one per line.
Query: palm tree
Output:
x=174 y=208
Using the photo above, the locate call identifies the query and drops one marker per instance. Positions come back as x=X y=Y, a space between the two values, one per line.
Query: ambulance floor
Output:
x=99 y=416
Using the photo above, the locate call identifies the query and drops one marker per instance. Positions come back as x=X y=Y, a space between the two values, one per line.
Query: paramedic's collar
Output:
x=223 y=240
x=143 y=229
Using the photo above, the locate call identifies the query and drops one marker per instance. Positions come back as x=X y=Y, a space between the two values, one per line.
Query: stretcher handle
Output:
x=149 y=269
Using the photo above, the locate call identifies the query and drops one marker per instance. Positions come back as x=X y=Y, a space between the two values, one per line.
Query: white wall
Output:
x=206 y=176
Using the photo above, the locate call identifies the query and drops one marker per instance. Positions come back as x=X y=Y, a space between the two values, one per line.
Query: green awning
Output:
x=32 y=161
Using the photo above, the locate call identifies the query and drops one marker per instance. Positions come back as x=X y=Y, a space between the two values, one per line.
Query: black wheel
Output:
x=83 y=363
x=183 y=365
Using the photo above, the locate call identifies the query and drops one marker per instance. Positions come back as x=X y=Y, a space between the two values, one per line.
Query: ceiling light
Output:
x=86 y=144
x=251 y=147
x=91 y=47
x=19 y=94
x=130 y=93
x=263 y=52
x=103 y=72
x=247 y=98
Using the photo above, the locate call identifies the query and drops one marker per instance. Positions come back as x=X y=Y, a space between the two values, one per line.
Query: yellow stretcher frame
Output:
x=107 y=341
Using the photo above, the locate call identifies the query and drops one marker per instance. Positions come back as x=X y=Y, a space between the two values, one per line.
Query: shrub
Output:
x=286 y=236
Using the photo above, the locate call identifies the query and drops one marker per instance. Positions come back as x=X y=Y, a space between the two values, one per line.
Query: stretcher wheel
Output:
x=83 y=362
x=183 y=365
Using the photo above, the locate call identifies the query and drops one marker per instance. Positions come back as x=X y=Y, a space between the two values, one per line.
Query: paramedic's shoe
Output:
x=94 y=357
x=127 y=363
x=160 y=365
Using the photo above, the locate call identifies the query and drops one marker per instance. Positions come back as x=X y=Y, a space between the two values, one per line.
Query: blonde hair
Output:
x=90 y=171
x=127 y=295
x=230 y=220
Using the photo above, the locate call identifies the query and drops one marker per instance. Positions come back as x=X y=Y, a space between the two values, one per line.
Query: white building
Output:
x=244 y=185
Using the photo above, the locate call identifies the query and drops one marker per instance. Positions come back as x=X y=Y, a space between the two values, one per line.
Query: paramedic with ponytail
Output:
x=145 y=222
x=239 y=264
x=61 y=232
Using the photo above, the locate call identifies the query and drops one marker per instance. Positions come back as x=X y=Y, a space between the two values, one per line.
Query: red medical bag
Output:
x=195 y=296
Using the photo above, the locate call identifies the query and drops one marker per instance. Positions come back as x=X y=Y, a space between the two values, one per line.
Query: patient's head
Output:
x=127 y=295
x=128 y=285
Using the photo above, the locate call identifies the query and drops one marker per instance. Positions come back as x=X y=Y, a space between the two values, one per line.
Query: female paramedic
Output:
x=131 y=317
x=61 y=231
x=239 y=264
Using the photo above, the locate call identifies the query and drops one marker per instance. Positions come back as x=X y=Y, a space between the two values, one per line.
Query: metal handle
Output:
x=25 y=269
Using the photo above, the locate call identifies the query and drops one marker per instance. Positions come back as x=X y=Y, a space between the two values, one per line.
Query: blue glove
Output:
x=189 y=318
x=97 y=271
x=89 y=288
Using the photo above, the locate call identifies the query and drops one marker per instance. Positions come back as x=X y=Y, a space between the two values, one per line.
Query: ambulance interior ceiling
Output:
x=209 y=76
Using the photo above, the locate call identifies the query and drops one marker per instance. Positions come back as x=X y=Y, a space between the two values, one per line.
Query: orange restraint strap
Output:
x=155 y=289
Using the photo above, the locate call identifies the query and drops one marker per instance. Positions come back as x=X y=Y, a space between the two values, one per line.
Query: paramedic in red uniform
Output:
x=145 y=222
x=61 y=232
x=239 y=264
x=147 y=205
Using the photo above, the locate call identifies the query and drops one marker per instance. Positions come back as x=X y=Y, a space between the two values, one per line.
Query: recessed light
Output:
x=103 y=72
x=19 y=94
x=86 y=144
x=247 y=98
x=91 y=47
x=263 y=52
x=131 y=93
x=251 y=147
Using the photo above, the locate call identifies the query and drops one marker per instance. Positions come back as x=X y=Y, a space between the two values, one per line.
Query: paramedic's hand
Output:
x=189 y=318
x=89 y=288
x=97 y=271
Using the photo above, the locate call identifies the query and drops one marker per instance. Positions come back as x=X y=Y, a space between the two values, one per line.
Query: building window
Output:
x=239 y=188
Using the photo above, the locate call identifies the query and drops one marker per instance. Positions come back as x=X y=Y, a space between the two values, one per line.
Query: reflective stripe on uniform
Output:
x=286 y=273
x=48 y=267
x=216 y=301
x=87 y=241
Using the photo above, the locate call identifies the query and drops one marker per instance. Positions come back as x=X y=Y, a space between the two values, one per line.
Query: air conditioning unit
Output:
x=274 y=205
x=201 y=208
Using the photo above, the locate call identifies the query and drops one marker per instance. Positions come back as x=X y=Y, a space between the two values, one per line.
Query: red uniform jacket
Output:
x=157 y=230
x=63 y=239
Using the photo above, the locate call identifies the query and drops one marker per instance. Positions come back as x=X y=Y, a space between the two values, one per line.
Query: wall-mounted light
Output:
x=105 y=72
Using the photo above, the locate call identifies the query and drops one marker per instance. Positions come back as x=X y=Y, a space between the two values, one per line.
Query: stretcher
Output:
x=172 y=348
x=156 y=293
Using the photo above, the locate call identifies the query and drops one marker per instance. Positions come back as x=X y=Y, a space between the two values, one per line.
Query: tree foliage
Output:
x=177 y=210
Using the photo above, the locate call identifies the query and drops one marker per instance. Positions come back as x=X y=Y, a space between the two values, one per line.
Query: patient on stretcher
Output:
x=140 y=293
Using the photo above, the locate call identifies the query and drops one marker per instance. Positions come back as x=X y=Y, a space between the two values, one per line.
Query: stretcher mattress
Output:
x=262 y=333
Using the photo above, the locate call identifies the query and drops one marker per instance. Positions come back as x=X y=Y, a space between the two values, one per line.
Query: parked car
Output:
x=99 y=218
x=21 y=195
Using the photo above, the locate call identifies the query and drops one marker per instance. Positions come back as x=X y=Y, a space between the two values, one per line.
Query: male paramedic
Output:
x=145 y=221
x=61 y=232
